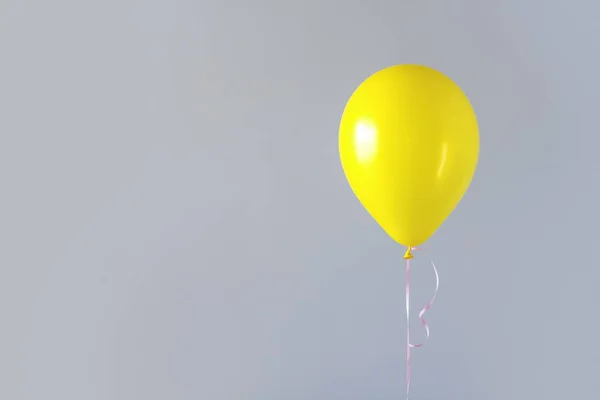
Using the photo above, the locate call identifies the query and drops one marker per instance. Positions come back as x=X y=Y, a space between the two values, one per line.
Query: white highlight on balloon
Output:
x=440 y=170
x=365 y=140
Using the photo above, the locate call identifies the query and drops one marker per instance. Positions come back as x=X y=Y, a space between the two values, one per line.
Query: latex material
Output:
x=409 y=145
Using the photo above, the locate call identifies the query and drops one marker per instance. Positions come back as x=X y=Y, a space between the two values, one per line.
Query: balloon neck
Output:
x=408 y=255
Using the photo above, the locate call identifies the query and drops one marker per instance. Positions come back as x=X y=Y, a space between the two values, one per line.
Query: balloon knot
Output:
x=408 y=255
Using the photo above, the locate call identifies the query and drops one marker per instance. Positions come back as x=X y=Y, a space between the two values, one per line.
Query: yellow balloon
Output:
x=409 y=145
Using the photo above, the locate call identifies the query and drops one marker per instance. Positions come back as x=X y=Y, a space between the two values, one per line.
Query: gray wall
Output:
x=175 y=223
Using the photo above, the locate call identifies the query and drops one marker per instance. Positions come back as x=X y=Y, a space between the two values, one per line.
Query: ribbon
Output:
x=408 y=256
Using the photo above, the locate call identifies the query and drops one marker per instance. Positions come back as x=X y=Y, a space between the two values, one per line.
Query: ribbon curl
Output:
x=408 y=256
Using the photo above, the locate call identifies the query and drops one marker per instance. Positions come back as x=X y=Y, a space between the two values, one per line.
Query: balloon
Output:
x=409 y=145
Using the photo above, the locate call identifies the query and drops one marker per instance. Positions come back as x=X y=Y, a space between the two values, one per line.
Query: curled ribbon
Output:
x=408 y=256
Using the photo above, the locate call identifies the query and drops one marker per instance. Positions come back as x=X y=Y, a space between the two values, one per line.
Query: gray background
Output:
x=175 y=223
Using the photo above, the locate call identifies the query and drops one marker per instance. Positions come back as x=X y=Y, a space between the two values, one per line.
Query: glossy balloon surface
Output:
x=409 y=146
